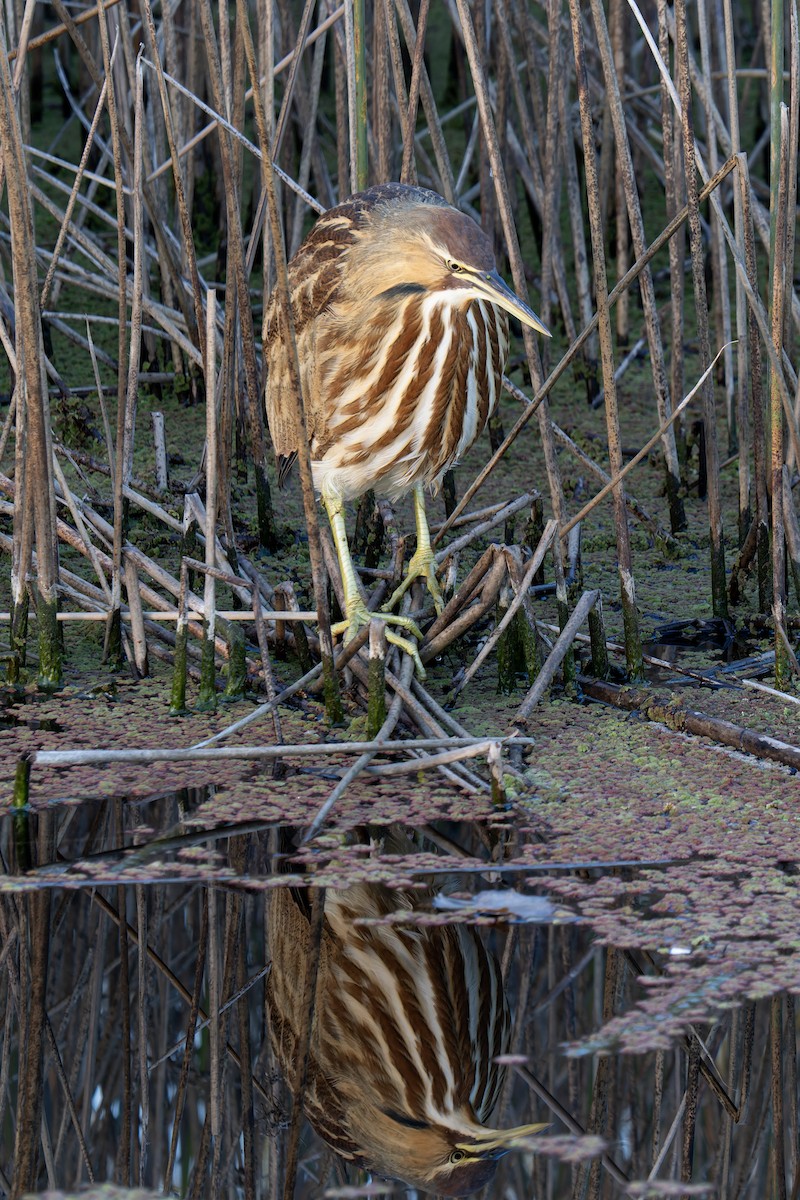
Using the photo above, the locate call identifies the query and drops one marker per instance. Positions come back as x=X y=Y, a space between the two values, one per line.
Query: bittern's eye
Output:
x=454 y=267
x=458 y=1156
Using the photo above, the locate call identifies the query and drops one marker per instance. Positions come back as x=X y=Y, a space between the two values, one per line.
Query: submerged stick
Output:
x=686 y=720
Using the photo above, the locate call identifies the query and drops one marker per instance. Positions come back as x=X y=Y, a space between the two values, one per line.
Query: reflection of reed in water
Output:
x=408 y=1021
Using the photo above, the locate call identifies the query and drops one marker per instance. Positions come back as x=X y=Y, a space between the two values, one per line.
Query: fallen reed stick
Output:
x=686 y=720
x=174 y=615
x=432 y=760
x=152 y=754
x=501 y=515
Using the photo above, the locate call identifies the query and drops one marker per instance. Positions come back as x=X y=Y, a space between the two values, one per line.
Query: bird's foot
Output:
x=358 y=615
x=422 y=565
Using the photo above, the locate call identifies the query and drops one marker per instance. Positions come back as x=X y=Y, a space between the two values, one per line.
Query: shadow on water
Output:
x=467 y=989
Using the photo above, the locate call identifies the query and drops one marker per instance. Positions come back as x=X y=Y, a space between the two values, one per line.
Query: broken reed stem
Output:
x=35 y=505
x=376 y=699
x=651 y=317
x=178 y=695
x=113 y=642
x=503 y=514
x=597 y=640
x=203 y=753
x=756 y=388
x=136 y=617
x=160 y=450
x=555 y=657
x=498 y=175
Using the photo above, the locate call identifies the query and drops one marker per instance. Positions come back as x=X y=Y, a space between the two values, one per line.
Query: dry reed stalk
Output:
x=634 y=216
x=642 y=453
x=74 y=509
x=624 y=560
x=333 y=702
x=79 y=174
x=408 y=172
x=757 y=399
x=203 y=752
x=719 y=263
x=446 y=181
x=781 y=226
x=719 y=600
x=499 y=517
x=136 y=618
x=208 y=696
x=555 y=658
x=35 y=506
x=160 y=450
x=182 y=192
x=635 y=509
x=791 y=530
x=376 y=699
x=238 y=295
x=744 y=430
x=488 y=584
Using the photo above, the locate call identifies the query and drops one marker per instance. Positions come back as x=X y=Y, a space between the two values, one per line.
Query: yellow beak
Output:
x=489 y=285
x=494 y=1142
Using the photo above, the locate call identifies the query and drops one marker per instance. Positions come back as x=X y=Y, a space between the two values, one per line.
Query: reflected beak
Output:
x=490 y=285
x=493 y=1143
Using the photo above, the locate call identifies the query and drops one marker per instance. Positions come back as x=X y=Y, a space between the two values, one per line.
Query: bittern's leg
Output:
x=422 y=564
x=356 y=612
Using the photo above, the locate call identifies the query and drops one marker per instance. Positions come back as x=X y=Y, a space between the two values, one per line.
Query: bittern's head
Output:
x=431 y=247
x=452 y=1158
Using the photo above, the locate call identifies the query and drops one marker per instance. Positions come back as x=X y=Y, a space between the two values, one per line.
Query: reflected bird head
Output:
x=454 y=1158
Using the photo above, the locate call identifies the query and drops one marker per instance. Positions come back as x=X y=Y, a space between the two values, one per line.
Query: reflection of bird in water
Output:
x=408 y=1021
x=402 y=337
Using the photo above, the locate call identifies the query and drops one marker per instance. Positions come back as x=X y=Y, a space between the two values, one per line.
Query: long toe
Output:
x=421 y=566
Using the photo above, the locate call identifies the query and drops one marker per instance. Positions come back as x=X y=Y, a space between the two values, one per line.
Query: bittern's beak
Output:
x=493 y=1143
x=490 y=285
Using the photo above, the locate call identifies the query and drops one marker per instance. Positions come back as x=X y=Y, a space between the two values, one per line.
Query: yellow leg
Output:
x=422 y=564
x=356 y=612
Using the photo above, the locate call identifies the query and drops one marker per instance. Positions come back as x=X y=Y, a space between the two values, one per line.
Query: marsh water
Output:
x=652 y=1022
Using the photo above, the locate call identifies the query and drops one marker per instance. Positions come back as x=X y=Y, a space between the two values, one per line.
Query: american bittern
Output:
x=407 y=1024
x=402 y=335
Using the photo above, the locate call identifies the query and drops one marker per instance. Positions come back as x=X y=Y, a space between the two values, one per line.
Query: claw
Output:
x=421 y=566
x=423 y=563
x=359 y=615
